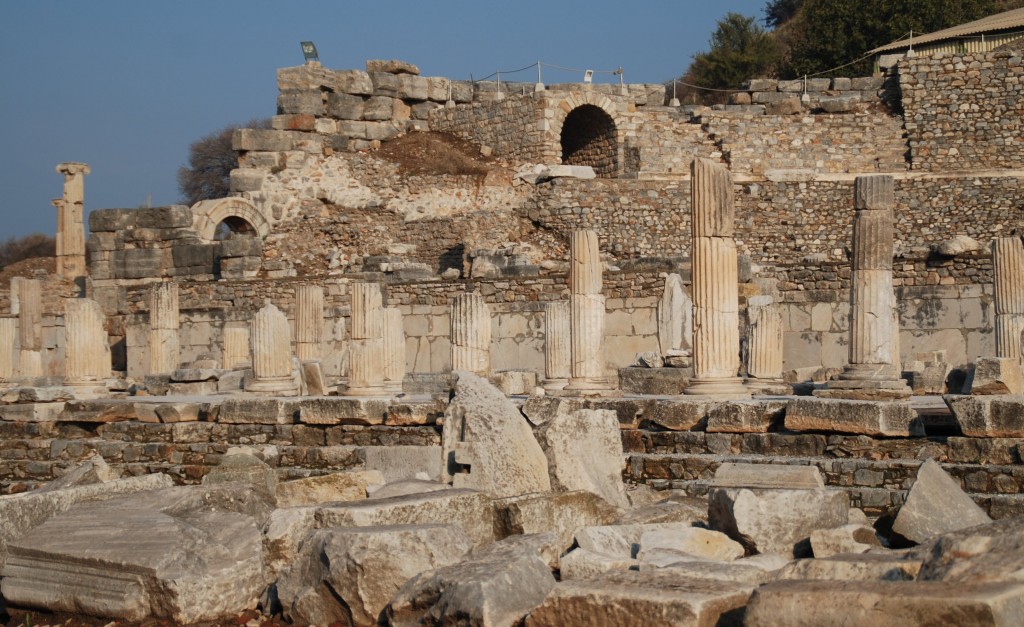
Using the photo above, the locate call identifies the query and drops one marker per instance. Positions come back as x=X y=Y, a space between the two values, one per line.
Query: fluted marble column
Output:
x=874 y=327
x=557 y=345
x=309 y=321
x=8 y=338
x=271 y=354
x=394 y=349
x=236 y=352
x=366 y=351
x=586 y=315
x=71 y=222
x=471 y=334
x=764 y=347
x=30 y=328
x=87 y=356
x=164 y=349
x=1008 y=262
x=716 y=338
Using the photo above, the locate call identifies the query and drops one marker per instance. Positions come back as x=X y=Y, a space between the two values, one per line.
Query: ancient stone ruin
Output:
x=496 y=353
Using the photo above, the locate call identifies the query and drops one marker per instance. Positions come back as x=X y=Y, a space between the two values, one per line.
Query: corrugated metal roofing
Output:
x=998 y=22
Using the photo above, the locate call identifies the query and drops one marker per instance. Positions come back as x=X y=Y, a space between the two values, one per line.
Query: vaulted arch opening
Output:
x=234 y=226
x=589 y=138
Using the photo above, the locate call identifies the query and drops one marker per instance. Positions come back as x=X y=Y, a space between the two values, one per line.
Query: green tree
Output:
x=827 y=34
x=778 y=12
x=210 y=161
x=740 y=49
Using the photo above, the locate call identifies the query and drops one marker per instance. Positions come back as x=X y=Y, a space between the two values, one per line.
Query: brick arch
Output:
x=208 y=214
x=576 y=105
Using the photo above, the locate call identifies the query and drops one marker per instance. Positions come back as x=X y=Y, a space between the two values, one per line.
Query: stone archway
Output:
x=218 y=218
x=586 y=127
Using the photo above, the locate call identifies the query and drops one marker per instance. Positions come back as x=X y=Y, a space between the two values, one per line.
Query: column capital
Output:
x=71 y=168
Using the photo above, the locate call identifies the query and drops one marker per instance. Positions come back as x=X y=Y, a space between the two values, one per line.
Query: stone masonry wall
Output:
x=964 y=112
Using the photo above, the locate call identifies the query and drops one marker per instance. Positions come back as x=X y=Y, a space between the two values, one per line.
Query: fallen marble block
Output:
x=995 y=375
x=857 y=567
x=743 y=416
x=993 y=416
x=984 y=553
x=884 y=603
x=351 y=573
x=584 y=452
x=668 y=546
x=497 y=585
x=350 y=485
x=653 y=599
x=833 y=415
x=564 y=514
x=936 y=505
x=850 y=538
x=129 y=563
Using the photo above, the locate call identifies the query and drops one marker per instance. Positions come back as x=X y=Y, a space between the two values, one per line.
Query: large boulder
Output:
x=488 y=445
x=495 y=586
x=351 y=573
x=936 y=505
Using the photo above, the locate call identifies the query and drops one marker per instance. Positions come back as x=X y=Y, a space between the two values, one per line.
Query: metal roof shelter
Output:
x=981 y=35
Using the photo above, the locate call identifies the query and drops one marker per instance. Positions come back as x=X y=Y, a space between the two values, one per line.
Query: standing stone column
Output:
x=71 y=222
x=30 y=328
x=1008 y=262
x=271 y=354
x=236 y=351
x=87 y=357
x=309 y=322
x=764 y=347
x=871 y=374
x=394 y=349
x=557 y=345
x=164 y=349
x=471 y=334
x=586 y=315
x=366 y=351
x=716 y=336
x=8 y=338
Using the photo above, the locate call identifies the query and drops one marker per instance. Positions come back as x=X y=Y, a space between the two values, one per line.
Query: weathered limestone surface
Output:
x=470 y=510
x=164 y=346
x=471 y=334
x=8 y=354
x=496 y=586
x=716 y=341
x=71 y=221
x=582 y=563
x=936 y=505
x=995 y=375
x=184 y=566
x=853 y=567
x=995 y=416
x=852 y=538
x=885 y=418
x=760 y=513
x=586 y=314
x=985 y=553
x=743 y=416
x=654 y=599
x=621 y=540
x=584 y=452
x=663 y=547
x=1008 y=267
x=30 y=328
x=241 y=467
x=271 y=354
x=485 y=431
x=394 y=349
x=236 y=353
x=309 y=321
x=366 y=352
x=557 y=345
x=87 y=351
x=884 y=603
x=873 y=370
x=675 y=317
x=764 y=346
x=563 y=513
x=347 y=574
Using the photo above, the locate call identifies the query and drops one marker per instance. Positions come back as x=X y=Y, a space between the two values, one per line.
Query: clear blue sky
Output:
x=125 y=86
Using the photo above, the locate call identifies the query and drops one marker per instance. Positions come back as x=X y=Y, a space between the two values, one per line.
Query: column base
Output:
x=553 y=385
x=867 y=382
x=278 y=386
x=590 y=386
x=371 y=389
x=723 y=388
x=775 y=387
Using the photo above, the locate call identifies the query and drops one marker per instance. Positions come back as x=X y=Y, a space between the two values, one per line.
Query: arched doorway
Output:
x=221 y=218
x=234 y=226
x=589 y=138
